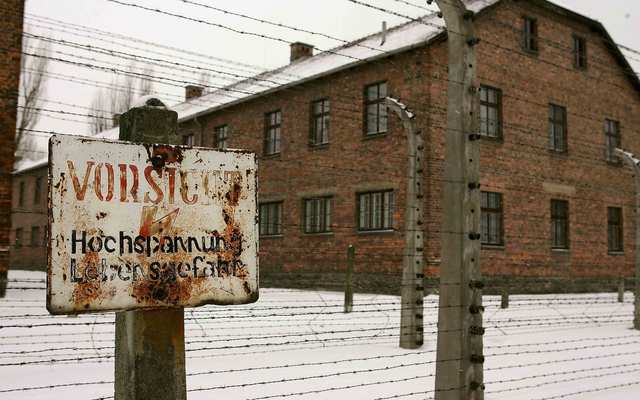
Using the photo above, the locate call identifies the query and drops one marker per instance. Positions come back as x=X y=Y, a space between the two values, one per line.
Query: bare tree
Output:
x=145 y=85
x=32 y=89
x=99 y=118
x=122 y=102
x=109 y=103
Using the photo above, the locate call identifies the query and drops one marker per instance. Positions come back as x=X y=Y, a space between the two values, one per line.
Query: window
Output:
x=222 y=134
x=612 y=137
x=21 y=193
x=491 y=218
x=530 y=34
x=18 y=242
x=375 y=108
x=270 y=219
x=35 y=236
x=614 y=229
x=375 y=211
x=273 y=121
x=579 y=52
x=319 y=122
x=317 y=215
x=557 y=128
x=559 y=224
x=37 y=190
x=490 y=112
x=187 y=140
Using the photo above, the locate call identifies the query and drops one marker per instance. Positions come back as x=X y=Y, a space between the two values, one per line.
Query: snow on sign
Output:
x=149 y=226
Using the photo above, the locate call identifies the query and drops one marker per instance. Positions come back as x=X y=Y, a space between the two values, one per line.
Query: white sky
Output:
x=338 y=18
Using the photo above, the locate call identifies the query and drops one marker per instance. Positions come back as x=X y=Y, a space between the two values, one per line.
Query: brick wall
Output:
x=29 y=220
x=519 y=166
x=10 y=42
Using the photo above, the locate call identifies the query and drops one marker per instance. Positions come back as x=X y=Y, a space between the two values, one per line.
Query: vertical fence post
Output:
x=149 y=355
x=348 y=288
x=412 y=286
x=504 y=298
x=621 y=290
x=635 y=166
x=459 y=357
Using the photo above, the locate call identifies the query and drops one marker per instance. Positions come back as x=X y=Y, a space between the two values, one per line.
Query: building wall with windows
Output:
x=565 y=107
x=29 y=219
x=555 y=101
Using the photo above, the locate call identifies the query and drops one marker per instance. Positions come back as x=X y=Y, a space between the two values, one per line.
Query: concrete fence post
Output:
x=459 y=357
x=621 y=290
x=504 y=298
x=348 y=288
x=412 y=286
x=634 y=163
x=149 y=354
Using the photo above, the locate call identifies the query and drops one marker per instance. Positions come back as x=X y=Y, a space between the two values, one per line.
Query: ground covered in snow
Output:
x=300 y=344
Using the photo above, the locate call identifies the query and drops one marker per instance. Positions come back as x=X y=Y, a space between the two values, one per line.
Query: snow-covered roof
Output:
x=367 y=49
x=28 y=164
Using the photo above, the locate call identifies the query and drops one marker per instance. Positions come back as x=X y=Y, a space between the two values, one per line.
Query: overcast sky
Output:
x=338 y=18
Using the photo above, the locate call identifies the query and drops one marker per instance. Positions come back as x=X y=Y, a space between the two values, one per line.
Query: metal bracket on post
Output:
x=634 y=163
x=460 y=304
x=149 y=355
x=412 y=291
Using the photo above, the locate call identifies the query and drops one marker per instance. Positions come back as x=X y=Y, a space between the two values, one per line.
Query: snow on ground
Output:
x=294 y=343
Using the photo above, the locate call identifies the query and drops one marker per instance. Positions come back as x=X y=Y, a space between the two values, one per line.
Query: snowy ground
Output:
x=299 y=344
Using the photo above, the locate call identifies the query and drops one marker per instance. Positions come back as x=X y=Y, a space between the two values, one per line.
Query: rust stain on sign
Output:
x=149 y=226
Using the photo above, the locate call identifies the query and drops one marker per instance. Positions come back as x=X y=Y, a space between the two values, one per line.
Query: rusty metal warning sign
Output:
x=148 y=226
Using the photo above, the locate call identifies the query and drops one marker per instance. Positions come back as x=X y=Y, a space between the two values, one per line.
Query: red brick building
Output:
x=557 y=96
x=11 y=43
x=29 y=217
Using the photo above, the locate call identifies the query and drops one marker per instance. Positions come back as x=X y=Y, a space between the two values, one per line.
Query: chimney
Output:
x=300 y=51
x=192 y=92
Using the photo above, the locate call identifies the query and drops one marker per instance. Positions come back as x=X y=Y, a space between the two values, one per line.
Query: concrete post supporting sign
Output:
x=412 y=290
x=459 y=359
x=634 y=162
x=348 y=285
x=144 y=228
x=150 y=358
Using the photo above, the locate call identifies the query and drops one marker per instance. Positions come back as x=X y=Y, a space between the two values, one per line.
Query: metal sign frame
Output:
x=149 y=226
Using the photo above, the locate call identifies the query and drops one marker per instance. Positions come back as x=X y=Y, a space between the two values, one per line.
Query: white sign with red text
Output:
x=149 y=226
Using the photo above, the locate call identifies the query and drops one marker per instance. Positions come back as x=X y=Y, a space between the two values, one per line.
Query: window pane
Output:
x=615 y=229
x=327 y=215
x=270 y=215
x=375 y=108
x=372 y=118
x=382 y=125
x=363 y=204
x=491 y=218
x=387 y=210
x=372 y=92
x=278 y=219
x=382 y=91
x=375 y=210
x=276 y=136
x=560 y=223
